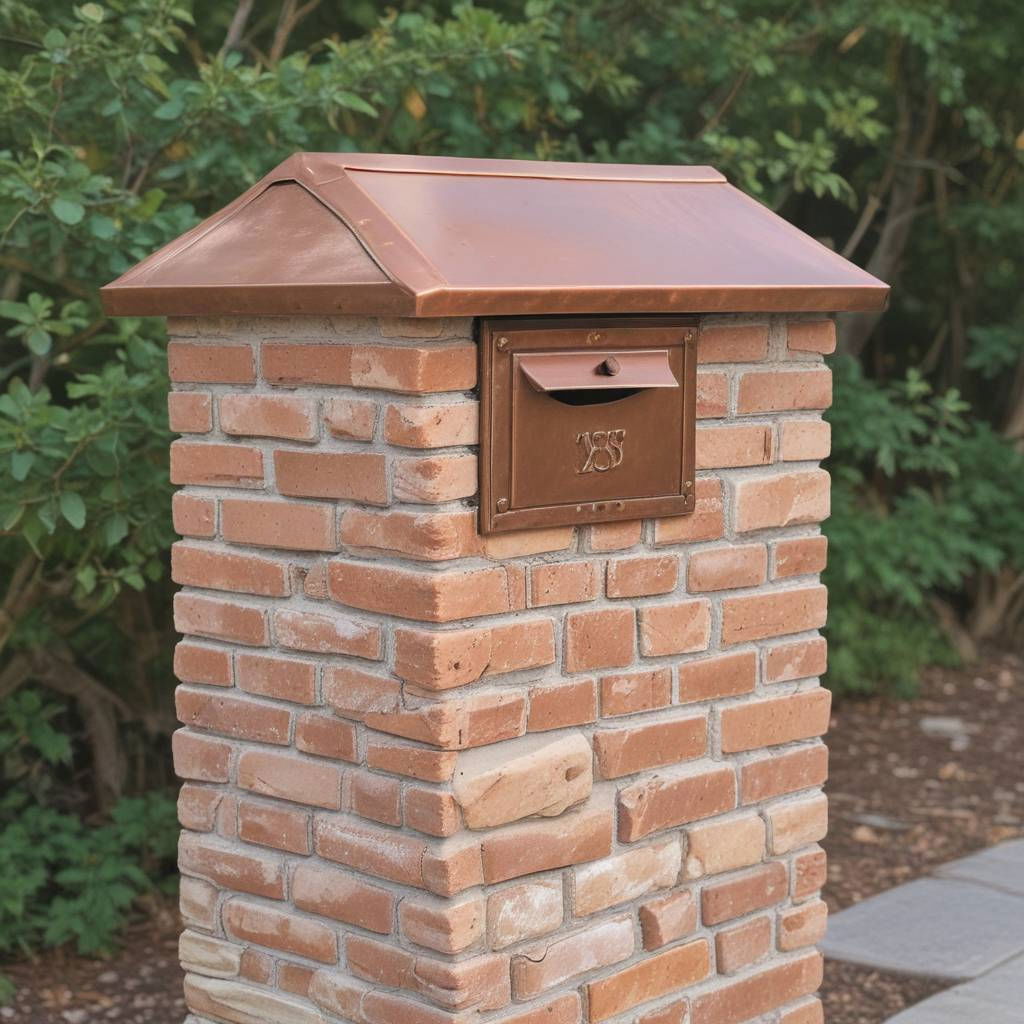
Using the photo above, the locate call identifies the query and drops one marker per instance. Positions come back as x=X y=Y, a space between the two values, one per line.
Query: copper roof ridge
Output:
x=536 y=174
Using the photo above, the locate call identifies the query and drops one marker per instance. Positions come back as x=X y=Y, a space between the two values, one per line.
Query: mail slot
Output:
x=586 y=421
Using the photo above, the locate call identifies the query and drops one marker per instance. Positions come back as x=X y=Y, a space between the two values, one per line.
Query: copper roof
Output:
x=332 y=233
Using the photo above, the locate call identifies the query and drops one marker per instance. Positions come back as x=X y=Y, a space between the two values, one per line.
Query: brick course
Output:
x=557 y=776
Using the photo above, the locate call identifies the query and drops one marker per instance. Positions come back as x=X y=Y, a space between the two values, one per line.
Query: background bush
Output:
x=893 y=132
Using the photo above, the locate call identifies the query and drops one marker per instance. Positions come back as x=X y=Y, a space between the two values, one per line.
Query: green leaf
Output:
x=38 y=340
x=102 y=227
x=67 y=211
x=351 y=101
x=115 y=529
x=72 y=508
x=91 y=12
x=21 y=463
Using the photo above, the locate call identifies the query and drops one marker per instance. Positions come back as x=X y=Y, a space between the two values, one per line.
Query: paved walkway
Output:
x=965 y=924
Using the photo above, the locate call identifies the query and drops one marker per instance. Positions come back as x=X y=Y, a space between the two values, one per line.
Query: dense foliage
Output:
x=892 y=131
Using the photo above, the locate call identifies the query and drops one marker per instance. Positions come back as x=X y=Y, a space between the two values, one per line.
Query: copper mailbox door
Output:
x=586 y=421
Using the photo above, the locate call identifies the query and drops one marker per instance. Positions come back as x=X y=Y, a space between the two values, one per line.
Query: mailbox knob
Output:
x=610 y=367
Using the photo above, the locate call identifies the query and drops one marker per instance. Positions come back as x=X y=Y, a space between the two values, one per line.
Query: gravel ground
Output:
x=913 y=785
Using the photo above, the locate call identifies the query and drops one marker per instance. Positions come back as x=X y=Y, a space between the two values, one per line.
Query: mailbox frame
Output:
x=497 y=432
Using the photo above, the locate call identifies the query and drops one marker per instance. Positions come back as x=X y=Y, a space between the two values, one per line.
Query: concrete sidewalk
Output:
x=965 y=924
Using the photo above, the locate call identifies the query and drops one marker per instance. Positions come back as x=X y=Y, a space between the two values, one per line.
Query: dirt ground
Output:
x=913 y=784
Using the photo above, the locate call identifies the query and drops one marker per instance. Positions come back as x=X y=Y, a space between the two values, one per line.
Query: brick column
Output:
x=558 y=776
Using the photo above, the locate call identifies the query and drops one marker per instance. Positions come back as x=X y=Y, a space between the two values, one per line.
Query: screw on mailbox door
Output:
x=611 y=366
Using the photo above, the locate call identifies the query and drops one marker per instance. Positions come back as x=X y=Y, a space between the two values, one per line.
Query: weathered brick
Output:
x=376 y=797
x=624 y=877
x=796 y=823
x=432 y=426
x=714 y=847
x=289 y=933
x=282 y=828
x=800 y=659
x=732 y=343
x=668 y=918
x=220 y=620
x=712 y=398
x=743 y=945
x=433 y=480
x=189 y=412
x=194 y=565
x=642 y=577
x=230 y=1000
x=776 y=774
x=325 y=736
x=563 y=704
x=443 y=925
x=800 y=556
x=232 y=867
x=705 y=522
x=614 y=536
x=406 y=759
x=520 y=912
x=633 y=692
x=803 y=925
x=675 y=628
x=200 y=758
x=562 y=583
x=233 y=716
x=810 y=872
x=350 y=419
x=269 y=675
x=196 y=663
x=430 y=537
x=599 y=639
x=726 y=675
x=330 y=892
x=786 y=499
x=194 y=516
x=805 y=440
x=287 y=777
x=326 y=634
x=811 y=336
x=732 y=446
x=727 y=568
x=278 y=416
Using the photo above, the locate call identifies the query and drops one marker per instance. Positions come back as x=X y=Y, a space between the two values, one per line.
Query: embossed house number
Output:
x=602 y=450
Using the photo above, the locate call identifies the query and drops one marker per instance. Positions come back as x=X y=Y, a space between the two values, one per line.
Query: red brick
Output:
x=430 y=537
x=800 y=659
x=353 y=693
x=267 y=926
x=527 y=847
x=216 y=465
x=233 y=716
x=194 y=565
x=675 y=1013
x=810 y=872
x=290 y=364
x=800 y=557
x=728 y=568
x=430 y=811
x=227 y=865
x=614 y=536
x=675 y=628
x=726 y=675
x=786 y=499
x=796 y=823
x=633 y=692
x=736 y=445
x=668 y=918
x=194 y=516
x=784 y=391
x=351 y=419
x=805 y=440
x=546 y=965
x=706 y=522
x=500 y=547
x=733 y=343
x=415 y=370
x=651 y=978
x=280 y=678
x=269 y=825
x=287 y=777
x=199 y=758
x=442 y=925
x=194 y=663
x=777 y=774
x=656 y=744
x=435 y=479
x=743 y=894
x=563 y=704
x=811 y=336
x=198 y=806
x=667 y=801
x=339 y=895
x=377 y=797
x=809 y=1012
x=220 y=620
x=210 y=364
x=562 y=583
x=516 y=913
x=287 y=417
x=325 y=736
x=743 y=945
x=767 y=723
x=297 y=526
x=720 y=845
x=326 y=634
x=599 y=639
x=356 y=476
x=642 y=577
x=189 y=412
x=712 y=395
x=802 y=926
x=370 y=849
x=563 y=1009
x=432 y=426
x=256 y=966
x=414 y=762
x=774 y=613
x=294 y=978
x=622 y=878
x=425 y=596
x=750 y=997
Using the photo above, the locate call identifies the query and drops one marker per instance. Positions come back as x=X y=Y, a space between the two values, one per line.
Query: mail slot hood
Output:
x=336 y=233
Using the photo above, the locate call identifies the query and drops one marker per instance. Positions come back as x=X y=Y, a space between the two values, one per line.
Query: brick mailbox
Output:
x=499 y=497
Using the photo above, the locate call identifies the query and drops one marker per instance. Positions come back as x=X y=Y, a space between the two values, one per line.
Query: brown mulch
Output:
x=913 y=784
